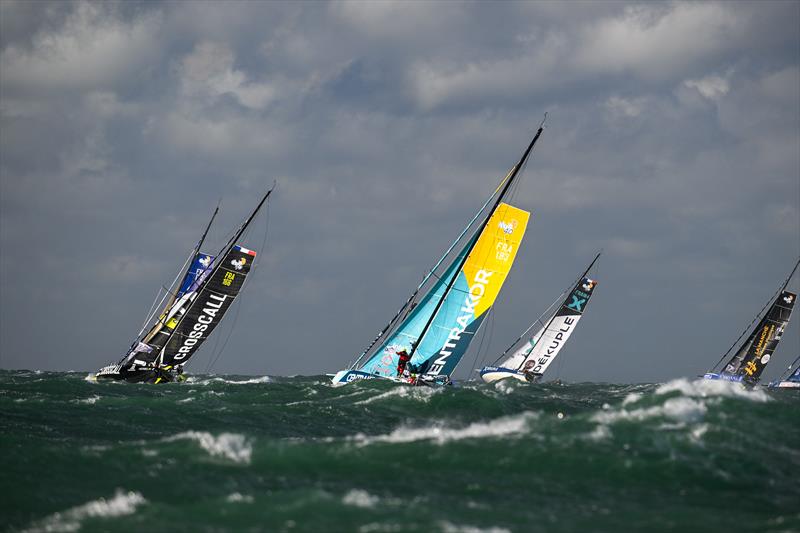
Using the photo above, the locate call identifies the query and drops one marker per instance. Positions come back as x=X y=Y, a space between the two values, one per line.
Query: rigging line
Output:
x=758 y=316
x=475 y=361
x=151 y=314
x=432 y=271
x=217 y=354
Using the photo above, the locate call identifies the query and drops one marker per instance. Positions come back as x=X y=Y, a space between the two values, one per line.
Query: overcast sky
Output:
x=672 y=142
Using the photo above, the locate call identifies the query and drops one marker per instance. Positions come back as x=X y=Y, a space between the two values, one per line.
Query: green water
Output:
x=235 y=453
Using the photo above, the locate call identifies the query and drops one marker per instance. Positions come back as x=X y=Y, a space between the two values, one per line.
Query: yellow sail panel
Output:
x=490 y=261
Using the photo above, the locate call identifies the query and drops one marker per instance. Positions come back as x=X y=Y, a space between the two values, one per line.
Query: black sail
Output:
x=201 y=316
x=752 y=357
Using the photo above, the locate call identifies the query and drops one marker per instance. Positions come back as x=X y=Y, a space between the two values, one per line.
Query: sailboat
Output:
x=531 y=360
x=192 y=312
x=752 y=356
x=790 y=382
x=425 y=340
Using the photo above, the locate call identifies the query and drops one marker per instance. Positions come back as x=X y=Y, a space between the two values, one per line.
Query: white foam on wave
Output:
x=231 y=446
x=403 y=391
x=91 y=401
x=680 y=409
x=705 y=388
x=123 y=503
x=209 y=381
x=449 y=527
x=236 y=497
x=507 y=425
x=360 y=498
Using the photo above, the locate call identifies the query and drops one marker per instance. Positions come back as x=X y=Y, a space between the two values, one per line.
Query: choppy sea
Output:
x=242 y=453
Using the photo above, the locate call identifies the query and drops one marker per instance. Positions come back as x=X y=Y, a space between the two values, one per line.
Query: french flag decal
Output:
x=245 y=250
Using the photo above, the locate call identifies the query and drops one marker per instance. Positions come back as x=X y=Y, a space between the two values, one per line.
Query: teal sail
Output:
x=384 y=361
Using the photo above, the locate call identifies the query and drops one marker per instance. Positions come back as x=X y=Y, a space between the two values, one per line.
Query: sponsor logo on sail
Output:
x=205 y=260
x=508 y=227
x=789 y=298
x=204 y=321
x=537 y=366
x=238 y=264
x=476 y=292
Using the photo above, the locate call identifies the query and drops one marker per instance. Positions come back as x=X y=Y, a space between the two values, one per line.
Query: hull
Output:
x=138 y=375
x=343 y=377
x=784 y=385
x=728 y=377
x=491 y=374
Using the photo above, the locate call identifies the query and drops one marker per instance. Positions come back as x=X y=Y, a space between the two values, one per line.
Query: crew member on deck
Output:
x=403 y=359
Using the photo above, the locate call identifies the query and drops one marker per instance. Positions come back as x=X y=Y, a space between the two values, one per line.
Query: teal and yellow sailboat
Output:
x=425 y=340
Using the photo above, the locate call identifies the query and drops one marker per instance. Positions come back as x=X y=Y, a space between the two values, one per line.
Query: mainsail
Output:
x=536 y=354
x=204 y=295
x=752 y=356
x=435 y=333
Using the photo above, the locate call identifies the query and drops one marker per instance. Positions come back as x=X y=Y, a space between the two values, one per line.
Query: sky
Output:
x=672 y=144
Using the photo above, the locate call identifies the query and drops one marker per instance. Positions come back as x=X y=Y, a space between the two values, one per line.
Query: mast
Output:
x=463 y=260
x=173 y=295
x=397 y=315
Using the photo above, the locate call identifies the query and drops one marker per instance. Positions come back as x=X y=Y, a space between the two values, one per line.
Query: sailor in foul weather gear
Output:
x=403 y=359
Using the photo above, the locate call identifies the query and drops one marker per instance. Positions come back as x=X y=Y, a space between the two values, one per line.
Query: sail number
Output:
x=229 y=277
x=503 y=251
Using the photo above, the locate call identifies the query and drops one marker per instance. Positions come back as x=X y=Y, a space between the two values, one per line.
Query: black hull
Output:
x=149 y=375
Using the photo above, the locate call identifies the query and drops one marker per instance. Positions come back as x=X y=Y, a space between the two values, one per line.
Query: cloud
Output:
x=710 y=87
x=658 y=42
x=209 y=73
x=93 y=47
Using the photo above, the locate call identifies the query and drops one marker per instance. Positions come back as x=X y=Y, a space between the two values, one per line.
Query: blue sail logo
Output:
x=508 y=227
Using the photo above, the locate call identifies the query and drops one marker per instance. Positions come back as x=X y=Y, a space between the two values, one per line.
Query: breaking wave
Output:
x=122 y=503
x=504 y=426
x=227 y=445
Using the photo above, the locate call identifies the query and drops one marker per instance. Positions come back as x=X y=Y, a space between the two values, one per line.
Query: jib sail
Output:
x=384 y=361
x=752 y=357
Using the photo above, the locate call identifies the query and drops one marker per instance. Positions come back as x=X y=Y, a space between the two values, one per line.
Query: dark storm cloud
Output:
x=672 y=143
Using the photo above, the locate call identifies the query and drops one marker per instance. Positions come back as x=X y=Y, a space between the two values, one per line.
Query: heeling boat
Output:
x=426 y=339
x=790 y=382
x=530 y=361
x=206 y=292
x=751 y=358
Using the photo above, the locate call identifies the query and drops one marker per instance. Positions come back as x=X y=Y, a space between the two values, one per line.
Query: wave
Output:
x=123 y=503
x=90 y=401
x=236 y=497
x=231 y=446
x=449 y=527
x=707 y=387
x=507 y=425
x=208 y=381
x=360 y=498
x=402 y=391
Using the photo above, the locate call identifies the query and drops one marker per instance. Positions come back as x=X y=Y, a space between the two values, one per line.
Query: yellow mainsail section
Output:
x=490 y=261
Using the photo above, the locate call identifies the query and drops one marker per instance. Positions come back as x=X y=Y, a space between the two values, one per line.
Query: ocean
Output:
x=243 y=453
